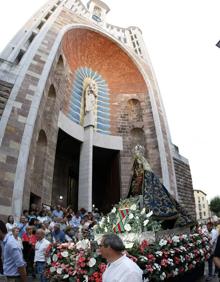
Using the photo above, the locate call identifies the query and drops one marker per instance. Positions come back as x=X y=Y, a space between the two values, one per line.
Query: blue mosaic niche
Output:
x=103 y=101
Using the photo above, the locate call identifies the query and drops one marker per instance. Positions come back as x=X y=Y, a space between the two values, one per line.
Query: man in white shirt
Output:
x=214 y=236
x=39 y=258
x=120 y=268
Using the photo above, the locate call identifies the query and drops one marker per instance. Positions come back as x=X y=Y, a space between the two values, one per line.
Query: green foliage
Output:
x=215 y=205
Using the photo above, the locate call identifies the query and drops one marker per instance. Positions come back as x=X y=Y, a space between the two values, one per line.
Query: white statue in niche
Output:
x=90 y=95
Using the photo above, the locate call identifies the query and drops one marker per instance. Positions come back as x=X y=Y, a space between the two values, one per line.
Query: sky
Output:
x=181 y=37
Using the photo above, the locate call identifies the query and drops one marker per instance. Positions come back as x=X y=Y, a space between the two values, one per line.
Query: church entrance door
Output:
x=66 y=171
x=106 y=178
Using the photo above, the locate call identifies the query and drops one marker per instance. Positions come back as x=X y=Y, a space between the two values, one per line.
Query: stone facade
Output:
x=184 y=182
x=38 y=70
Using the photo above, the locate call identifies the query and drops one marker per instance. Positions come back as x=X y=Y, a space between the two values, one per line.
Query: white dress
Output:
x=9 y=226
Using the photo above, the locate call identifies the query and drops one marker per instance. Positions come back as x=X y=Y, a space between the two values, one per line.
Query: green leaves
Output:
x=215 y=205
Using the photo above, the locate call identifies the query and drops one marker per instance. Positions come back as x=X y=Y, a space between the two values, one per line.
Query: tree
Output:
x=215 y=205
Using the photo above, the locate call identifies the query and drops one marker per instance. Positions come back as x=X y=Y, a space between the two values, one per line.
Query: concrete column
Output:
x=85 y=166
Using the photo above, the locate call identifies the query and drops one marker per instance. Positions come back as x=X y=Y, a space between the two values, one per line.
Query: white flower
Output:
x=143 y=211
x=65 y=254
x=55 y=257
x=108 y=220
x=146 y=222
x=113 y=210
x=86 y=279
x=128 y=245
x=59 y=270
x=101 y=223
x=157 y=266
x=92 y=262
x=201 y=252
x=162 y=242
x=149 y=214
x=52 y=269
x=162 y=276
x=133 y=207
x=158 y=254
x=170 y=261
x=176 y=239
x=182 y=248
x=106 y=229
x=65 y=276
x=127 y=227
x=84 y=244
x=175 y=272
x=131 y=216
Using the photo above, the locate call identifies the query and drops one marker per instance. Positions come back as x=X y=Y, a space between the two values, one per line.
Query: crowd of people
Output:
x=36 y=229
x=24 y=243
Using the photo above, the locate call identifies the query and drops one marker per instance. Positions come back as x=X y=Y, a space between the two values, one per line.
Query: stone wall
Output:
x=184 y=183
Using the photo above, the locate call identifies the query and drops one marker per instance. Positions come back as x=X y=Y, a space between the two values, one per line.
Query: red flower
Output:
x=181 y=269
x=102 y=267
x=150 y=257
x=176 y=260
x=82 y=264
x=81 y=259
x=166 y=254
x=164 y=262
x=96 y=275
x=187 y=257
x=144 y=244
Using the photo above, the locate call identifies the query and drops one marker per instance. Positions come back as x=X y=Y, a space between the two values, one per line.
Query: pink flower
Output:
x=149 y=268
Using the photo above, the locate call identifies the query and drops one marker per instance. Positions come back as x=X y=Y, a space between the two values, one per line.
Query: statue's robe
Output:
x=156 y=197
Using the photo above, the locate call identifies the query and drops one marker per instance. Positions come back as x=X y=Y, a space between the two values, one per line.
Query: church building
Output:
x=77 y=94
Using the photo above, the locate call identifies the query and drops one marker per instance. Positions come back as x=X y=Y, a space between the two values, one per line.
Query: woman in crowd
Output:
x=10 y=224
x=29 y=240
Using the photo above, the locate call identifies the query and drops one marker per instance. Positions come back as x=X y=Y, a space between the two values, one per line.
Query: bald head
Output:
x=40 y=234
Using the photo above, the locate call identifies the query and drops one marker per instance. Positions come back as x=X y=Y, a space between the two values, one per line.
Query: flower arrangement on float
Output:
x=168 y=258
x=74 y=262
x=127 y=217
x=172 y=257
